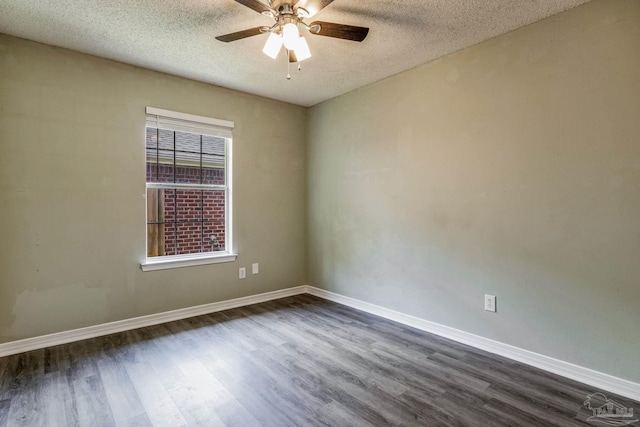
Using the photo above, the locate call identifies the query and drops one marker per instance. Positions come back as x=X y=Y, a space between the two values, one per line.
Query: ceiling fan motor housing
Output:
x=281 y=5
x=287 y=8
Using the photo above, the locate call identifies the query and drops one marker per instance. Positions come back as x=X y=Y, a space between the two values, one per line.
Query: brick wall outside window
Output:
x=190 y=217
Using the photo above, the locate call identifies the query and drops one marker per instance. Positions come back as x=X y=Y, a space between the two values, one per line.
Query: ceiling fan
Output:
x=289 y=16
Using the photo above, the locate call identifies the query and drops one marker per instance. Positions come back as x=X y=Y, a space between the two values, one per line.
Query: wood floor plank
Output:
x=22 y=411
x=298 y=361
x=82 y=358
x=157 y=357
x=233 y=414
x=56 y=359
x=336 y=415
x=55 y=397
x=280 y=401
x=141 y=420
x=323 y=383
x=253 y=331
x=198 y=394
x=514 y=415
x=222 y=369
x=500 y=379
x=290 y=332
x=4 y=411
x=121 y=394
x=286 y=382
x=381 y=405
x=92 y=403
x=253 y=401
x=158 y=405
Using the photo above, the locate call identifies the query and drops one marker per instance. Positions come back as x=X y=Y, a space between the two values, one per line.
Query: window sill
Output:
x=185 y=261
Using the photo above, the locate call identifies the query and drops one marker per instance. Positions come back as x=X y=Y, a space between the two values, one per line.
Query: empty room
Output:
x=319 y=213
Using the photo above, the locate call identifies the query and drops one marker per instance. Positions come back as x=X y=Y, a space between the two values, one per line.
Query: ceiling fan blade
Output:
x=256 y=5
x=313 y=6
x=240 y=34
x=339 y=31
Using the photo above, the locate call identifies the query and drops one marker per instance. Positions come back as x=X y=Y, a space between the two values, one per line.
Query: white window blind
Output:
x=182 y=122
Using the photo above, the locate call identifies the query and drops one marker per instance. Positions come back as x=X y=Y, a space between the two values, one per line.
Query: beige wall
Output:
x=72 y=228
x=510 y=168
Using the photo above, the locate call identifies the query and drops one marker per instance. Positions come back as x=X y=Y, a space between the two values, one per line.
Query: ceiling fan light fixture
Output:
x=290 y=35
x=273 y=45
x=302 y=49
x=289 y=15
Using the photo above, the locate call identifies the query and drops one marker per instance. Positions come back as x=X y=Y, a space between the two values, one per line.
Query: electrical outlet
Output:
x=242 y=273
x=255 y=268
x=490 y=303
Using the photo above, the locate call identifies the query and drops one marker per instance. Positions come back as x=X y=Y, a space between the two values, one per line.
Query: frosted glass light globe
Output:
x=290 y=35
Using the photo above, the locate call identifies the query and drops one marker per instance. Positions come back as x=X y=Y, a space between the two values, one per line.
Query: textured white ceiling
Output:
x=177 y=37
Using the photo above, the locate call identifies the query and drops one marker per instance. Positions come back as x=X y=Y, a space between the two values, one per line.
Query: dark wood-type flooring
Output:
x=298 y=361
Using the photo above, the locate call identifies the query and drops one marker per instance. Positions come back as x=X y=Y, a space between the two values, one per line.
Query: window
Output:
x=188 y=181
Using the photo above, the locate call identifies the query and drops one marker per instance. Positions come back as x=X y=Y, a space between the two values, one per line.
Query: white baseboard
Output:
x=587 y=376
x=593 y=378
x=35 y=343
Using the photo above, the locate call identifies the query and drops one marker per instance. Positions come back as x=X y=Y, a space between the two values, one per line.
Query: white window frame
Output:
x=176 y=121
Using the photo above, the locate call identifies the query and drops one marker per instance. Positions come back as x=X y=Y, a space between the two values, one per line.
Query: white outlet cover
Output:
x=255 y=268
x=490 y=303
x=242 y=273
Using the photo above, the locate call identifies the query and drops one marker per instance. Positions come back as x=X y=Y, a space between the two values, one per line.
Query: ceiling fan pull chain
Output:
x=288 y=74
